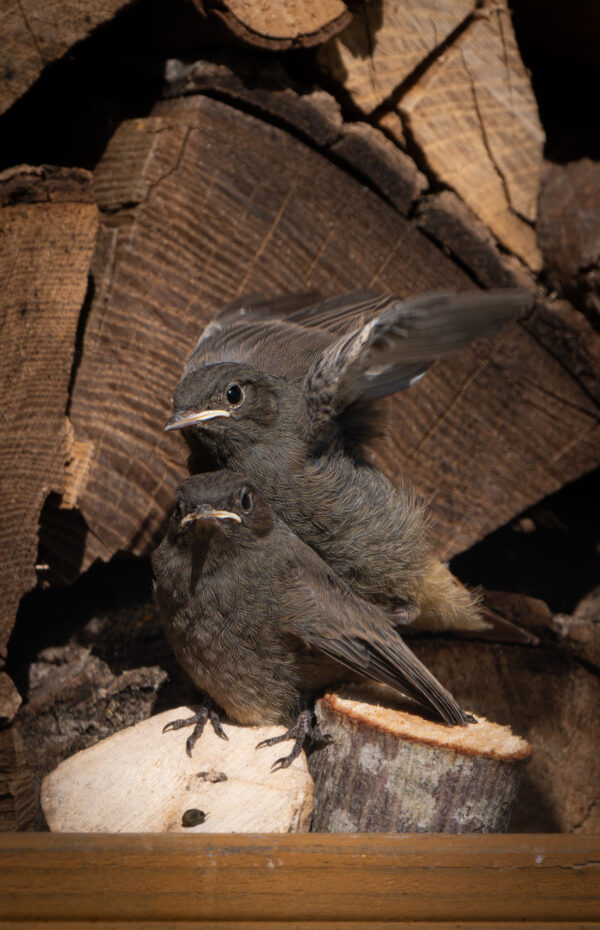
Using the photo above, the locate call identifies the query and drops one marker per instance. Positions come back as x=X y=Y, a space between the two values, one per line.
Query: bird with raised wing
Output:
x=282 y=390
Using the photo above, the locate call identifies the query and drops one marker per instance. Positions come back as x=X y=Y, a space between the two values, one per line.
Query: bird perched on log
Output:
x=282 y=391
x=261 y=624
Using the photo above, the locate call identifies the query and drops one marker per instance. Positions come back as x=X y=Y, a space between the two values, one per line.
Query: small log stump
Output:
x=385 y=770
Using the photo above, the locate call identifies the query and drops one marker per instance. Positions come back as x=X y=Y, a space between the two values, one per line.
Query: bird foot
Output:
x=301 y=729
x=206 y=712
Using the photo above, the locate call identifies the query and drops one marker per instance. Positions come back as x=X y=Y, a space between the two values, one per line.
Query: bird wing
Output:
x=329 y=617
x=284 y=335
x=395 y=348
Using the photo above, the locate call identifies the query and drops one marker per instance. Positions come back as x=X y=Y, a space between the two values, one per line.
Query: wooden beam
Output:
x=285 y=880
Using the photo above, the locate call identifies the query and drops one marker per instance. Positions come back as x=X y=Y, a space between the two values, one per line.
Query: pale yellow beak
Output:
x=207 y=514
x=193 y=417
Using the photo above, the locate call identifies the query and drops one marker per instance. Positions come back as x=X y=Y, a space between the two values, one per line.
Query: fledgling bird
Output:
x=261 y=624
x=282 y=390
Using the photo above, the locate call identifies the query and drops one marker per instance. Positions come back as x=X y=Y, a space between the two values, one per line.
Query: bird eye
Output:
x=246 y=501
x=235 y=395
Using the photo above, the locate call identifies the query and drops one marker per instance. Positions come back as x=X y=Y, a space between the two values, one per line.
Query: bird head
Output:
x=220 y=502
x=226 y=404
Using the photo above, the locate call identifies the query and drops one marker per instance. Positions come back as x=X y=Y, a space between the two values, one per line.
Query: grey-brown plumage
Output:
x=282 y=391
x=260 y=623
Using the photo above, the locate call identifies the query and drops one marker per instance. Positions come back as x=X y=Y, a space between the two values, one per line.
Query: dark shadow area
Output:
x=51 y=616
x=69 y=114
x=560 y=44
x=551 y=551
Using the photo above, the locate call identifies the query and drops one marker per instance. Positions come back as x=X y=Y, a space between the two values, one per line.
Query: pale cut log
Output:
x=48 y=225
x=141 y=780
x=385 y=770
x=195 y=215
x=386 y=42
x=474 y=117
x=280 y=24
x=33 y=35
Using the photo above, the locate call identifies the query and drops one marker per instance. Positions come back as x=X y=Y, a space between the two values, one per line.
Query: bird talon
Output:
x=198 y=721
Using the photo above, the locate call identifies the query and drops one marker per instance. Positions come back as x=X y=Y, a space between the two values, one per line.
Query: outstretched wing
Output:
x=284 y=335
x=356 y=634
x=396 y=347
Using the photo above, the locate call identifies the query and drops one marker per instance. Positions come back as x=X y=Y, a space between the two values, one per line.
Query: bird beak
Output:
x=206 y=513
x=193 y=418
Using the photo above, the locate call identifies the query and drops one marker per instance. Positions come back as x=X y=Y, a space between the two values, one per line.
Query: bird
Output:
x=283 y=390
x=262 y=624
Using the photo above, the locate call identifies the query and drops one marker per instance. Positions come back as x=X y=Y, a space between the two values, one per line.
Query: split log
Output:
x=455 y=76
x=142 y=781
x=280 y=24
x=474 y=117
x=386 y=42
x=48 y=223
x=484 y=435
x=385 y=770
x=33 y=35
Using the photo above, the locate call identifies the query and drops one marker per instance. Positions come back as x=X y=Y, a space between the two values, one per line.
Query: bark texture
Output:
x=387 y=771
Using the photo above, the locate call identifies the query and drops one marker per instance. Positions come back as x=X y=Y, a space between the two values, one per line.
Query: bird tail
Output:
x=445 y=604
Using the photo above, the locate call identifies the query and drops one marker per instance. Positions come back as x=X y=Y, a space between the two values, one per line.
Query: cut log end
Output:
x=385 y=769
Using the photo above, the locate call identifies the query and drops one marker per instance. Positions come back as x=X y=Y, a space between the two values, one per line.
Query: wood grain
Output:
x=45 y=253
x=281 y=24
x=302 y=878
x=386 y=42
x=475 y=119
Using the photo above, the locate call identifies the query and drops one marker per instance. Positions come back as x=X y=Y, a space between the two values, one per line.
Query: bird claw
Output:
x=298 y=732
x=206 y=712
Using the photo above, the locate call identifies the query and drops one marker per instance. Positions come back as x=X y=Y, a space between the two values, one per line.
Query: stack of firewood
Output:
x=299 y=146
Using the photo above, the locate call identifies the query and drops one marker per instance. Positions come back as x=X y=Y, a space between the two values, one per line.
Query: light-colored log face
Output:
x=474 y=117
x=142 y=780
x=385 y=42
x=471 y=112
x=45 y=254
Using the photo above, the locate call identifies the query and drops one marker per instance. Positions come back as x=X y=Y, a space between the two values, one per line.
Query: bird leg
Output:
x=299 y=731
x=207 y=711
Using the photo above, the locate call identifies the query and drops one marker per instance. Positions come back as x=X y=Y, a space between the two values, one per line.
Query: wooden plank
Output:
x=302 y=878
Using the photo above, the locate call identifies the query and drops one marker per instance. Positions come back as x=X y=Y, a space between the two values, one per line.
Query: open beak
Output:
x=207 y=513
x=193 y=418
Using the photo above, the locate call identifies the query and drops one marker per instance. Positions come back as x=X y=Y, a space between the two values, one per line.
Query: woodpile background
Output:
x=160 y=159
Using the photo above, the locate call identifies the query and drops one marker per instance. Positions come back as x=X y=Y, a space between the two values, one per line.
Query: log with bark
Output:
x=384 y=770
